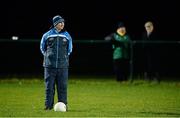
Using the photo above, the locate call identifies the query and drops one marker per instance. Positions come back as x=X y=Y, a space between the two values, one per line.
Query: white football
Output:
x=60 y=106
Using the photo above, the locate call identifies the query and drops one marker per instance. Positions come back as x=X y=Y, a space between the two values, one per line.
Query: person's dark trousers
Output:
x=61 y=82
x=49 y=76
x=121 y=69
x=151 y=68
x=58 y=76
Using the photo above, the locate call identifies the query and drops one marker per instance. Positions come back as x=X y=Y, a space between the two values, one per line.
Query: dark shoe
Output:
x=146 y=78
x=156 y=80
x=66 y=107
x=47 y=108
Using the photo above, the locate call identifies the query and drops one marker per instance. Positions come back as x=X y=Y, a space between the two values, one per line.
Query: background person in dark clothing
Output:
x=149 y=48
x=121 y=52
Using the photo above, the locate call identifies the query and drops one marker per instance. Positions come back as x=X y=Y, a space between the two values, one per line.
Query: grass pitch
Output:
x=92 y=97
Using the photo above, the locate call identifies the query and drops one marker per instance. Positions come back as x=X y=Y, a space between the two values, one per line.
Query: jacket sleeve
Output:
x=109 y=37
x=70 y=46
x=43 y=45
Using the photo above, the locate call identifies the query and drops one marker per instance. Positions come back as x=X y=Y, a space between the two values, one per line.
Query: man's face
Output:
x=121 y=31
x=149 y=27
x=60 y=26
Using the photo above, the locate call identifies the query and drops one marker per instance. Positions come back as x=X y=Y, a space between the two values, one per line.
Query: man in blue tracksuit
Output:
x=56 y=46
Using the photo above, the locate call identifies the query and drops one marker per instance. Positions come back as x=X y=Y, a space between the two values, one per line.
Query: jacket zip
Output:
x=57 y=52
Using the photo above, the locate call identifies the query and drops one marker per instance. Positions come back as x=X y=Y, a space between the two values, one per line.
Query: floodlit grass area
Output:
x=92 y=97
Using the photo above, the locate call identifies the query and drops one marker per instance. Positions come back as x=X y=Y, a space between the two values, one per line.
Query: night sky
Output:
x=84 y=20
x=88 y=19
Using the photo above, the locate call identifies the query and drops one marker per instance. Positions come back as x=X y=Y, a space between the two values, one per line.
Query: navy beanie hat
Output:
x=120 y=24
x=57 y=19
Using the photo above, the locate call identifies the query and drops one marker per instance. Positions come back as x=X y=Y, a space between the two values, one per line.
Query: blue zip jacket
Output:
x=56 y=48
